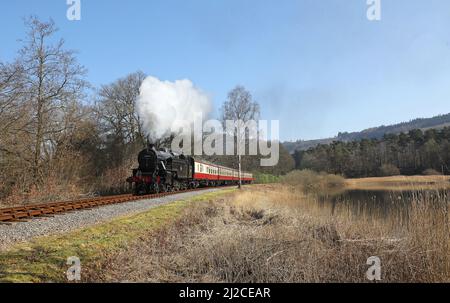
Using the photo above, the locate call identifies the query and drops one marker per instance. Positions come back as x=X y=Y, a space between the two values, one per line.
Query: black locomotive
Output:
x=162 y=171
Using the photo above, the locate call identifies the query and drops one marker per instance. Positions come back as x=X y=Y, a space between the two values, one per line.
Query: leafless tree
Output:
x=241 y=108
x=11 y=93
x=117 y=108
x=12 y=119
x=53 y=80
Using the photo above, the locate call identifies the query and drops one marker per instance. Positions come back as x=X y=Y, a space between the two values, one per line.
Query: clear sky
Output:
x=319 y=66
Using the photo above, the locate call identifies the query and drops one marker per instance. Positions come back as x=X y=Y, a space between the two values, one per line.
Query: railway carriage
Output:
x=210 y=174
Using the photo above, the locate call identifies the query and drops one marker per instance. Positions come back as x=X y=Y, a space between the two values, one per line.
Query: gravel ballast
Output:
x=26 y=231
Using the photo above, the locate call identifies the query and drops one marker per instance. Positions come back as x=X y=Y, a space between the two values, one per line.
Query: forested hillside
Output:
x=437 y=122
x=415 y=152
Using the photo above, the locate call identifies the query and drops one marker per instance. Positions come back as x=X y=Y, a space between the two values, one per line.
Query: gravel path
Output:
x=21 y=232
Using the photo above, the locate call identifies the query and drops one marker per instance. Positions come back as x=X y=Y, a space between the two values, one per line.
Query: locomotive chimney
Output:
x=150 y=144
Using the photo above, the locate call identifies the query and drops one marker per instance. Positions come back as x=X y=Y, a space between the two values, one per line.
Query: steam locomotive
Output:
x=165 y=171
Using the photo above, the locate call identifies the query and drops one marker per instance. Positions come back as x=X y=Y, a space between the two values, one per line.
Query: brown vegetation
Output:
x=275 y=233
x=431 y=172
x=387 y=170
x=310 y=181
x=399 y=183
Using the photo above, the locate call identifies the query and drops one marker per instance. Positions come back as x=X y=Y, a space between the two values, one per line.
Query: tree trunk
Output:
x=39 y=114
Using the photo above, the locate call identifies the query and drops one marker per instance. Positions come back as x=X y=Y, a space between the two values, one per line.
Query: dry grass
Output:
x=52 y=189
x=55 y=188
x=277 y=234
x=311 y=181
x=399 y=183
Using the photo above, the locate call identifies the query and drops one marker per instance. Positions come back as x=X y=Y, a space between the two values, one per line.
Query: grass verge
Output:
x=44 y=259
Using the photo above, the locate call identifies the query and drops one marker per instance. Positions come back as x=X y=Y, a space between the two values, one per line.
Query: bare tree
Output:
x=117 y=108
x=12 y=120
x=240 y=108
x=53 y=79
x=11 y=93
x=10 y=85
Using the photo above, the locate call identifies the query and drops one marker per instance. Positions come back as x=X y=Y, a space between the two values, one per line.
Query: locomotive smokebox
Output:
x=148 y=160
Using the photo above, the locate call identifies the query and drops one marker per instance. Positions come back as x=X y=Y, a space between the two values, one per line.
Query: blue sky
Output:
x=319 y=66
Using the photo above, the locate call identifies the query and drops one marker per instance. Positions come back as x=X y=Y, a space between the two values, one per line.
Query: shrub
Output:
x=312 y=181
x=387 y=170
x=431 y=172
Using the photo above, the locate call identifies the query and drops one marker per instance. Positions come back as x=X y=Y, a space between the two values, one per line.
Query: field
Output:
x=399 y=182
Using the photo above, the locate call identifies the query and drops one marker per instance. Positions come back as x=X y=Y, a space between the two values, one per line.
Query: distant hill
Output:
x=373 y=133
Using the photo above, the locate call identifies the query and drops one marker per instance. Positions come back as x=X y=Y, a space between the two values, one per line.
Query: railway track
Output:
x=25 y=213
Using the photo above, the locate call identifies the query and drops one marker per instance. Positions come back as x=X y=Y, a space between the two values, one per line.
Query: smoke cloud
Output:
x=163 y=105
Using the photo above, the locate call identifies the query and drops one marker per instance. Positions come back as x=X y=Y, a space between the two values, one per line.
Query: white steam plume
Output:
x=164 y=105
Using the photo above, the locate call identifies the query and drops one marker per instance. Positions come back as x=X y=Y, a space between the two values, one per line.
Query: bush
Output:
x=312 y=181
x=431 y=172
x=387 y=170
